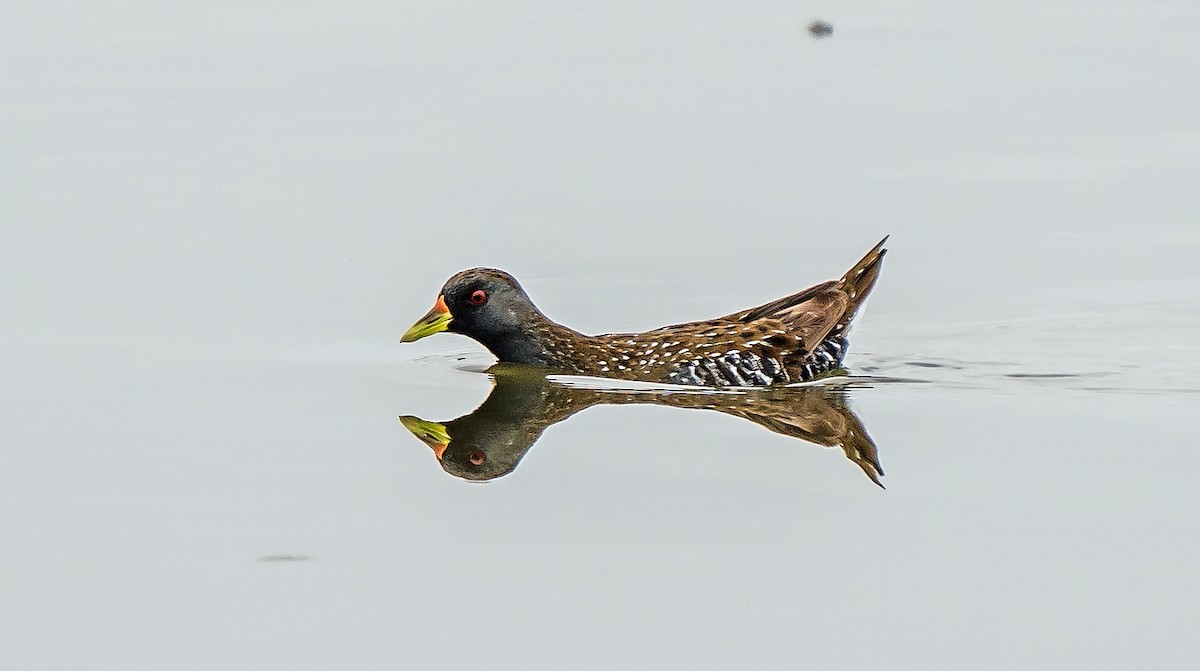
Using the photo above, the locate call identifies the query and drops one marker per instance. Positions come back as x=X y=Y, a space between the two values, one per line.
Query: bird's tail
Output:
x=859 y=280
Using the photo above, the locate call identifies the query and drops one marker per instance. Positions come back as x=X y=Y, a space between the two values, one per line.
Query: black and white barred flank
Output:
x=737 y=368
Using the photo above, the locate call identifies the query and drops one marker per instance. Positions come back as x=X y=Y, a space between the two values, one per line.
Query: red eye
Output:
x=479 y=297
x=475 y=457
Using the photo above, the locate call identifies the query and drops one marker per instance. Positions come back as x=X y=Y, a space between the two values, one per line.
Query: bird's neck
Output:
x=521 y=348
x=540 y=342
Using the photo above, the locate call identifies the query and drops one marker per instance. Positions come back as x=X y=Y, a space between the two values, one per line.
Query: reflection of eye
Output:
x=479 y=297
x=475 y=457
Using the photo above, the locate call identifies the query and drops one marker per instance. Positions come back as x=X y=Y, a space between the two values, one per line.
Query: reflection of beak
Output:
x=436 y=320
x=431 y=433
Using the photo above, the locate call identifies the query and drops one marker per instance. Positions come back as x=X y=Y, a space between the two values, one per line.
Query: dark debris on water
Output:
x=820 y=29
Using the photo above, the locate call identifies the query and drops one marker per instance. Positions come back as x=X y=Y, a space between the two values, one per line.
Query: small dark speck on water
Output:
x=1046 y=376
x=931 y=364
x=282 y=558
x=820 y=29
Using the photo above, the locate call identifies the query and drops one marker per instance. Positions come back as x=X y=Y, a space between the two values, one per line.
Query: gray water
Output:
x=219 y=218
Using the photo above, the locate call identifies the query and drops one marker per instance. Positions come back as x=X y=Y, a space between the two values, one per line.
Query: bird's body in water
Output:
x=796 y=338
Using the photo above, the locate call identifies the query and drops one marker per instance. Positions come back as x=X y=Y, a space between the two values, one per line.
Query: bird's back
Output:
x=796 y=338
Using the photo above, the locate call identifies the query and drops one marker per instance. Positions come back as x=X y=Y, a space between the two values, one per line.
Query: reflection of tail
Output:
x=860 y=449
x=816 y=416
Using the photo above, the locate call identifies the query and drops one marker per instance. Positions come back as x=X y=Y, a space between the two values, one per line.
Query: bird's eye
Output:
x=478 y=297
x=475 y=457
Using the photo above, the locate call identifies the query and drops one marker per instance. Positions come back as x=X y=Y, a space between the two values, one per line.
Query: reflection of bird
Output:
x=490 y=441
x=793 y=339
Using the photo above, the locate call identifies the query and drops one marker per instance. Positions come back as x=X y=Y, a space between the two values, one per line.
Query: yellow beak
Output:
x=435 y=321
x=431 y=433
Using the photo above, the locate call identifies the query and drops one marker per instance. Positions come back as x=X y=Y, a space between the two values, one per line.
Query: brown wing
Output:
x=808 y=322
x=792 y=339
x=819 y=310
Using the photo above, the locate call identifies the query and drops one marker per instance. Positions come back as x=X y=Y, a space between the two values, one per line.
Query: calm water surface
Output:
x=219 y=219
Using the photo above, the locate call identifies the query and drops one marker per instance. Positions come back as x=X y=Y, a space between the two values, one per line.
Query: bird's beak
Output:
x=436 y=320
x=431 y=433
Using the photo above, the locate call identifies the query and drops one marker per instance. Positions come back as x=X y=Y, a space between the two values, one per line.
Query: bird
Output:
x=797 y=338
x=490 y=441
